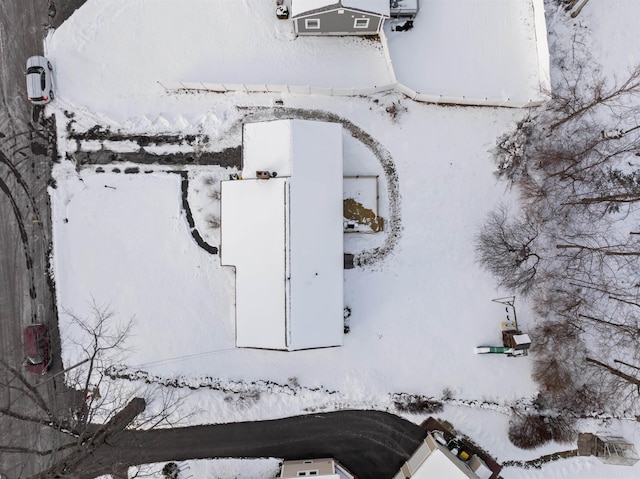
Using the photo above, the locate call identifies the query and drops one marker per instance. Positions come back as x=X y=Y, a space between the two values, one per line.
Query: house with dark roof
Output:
x=339 y=17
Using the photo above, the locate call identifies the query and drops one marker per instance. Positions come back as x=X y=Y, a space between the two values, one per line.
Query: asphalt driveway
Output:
x=371 y=444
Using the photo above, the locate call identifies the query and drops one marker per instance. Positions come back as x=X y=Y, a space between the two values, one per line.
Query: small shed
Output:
x=339 y=17
x=404 y=8
x=518 y=341
x=609 y=449
x=281 y=227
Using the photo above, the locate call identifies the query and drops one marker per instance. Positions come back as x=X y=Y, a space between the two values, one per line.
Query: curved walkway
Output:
x=393 y=224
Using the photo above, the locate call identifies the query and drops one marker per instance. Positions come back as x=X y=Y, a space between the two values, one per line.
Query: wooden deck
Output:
x=431 y=424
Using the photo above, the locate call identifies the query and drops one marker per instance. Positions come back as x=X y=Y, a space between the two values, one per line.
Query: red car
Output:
x=36 y=349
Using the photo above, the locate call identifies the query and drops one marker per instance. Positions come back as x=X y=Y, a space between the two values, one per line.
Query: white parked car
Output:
x=39 y=80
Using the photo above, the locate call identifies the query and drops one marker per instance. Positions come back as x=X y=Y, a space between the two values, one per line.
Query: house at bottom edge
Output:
x=433 y=459
x=282 y=229
x=327 y=468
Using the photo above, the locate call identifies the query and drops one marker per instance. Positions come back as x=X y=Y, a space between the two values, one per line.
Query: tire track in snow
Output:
x=24 y=237
x=23 y=184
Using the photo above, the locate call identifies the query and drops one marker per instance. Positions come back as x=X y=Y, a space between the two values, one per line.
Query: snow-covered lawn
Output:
x=125 y=242
x=473 y=49
x=242 y=42
x=123 y=239
x=110 y=56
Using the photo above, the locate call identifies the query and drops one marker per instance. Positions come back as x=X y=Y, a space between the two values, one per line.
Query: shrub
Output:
x=171 y=470
x=415 y=404
x=531 y=431
x=446 y=394
x=213 y=222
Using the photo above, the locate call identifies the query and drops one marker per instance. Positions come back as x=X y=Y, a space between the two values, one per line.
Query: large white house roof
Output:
x=284 y=236
x=267 y=146
x=381 y=7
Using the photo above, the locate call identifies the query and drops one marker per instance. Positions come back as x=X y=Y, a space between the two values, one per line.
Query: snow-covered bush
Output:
x=509 y=152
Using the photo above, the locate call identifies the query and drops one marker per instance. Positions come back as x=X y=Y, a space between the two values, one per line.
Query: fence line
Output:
x=180 y=87
x=542 y=52
x=542 y=45
x=387 y=55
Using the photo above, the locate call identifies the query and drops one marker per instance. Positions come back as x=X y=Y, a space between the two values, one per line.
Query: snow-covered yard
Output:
x=123 y=239
x=122 y=242
x=226 y=41
x=478 y=51
x=427 y=303
x=433 y=58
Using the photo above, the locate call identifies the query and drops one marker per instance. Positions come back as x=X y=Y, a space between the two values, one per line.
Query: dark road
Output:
x=25 y=294
x=27 y=149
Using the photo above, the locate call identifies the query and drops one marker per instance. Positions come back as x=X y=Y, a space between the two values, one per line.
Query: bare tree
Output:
x=617 y=372
x=529 y=431
x=574 y=245
x=94 y=406
x=574 y=6
x=507 y=248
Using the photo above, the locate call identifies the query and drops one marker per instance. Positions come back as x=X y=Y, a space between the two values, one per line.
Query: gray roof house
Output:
x=339 y=17
x=325 y=467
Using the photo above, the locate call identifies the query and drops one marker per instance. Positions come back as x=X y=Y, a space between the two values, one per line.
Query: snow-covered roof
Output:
x=249 y=211
x=483 y=472
x=380 y=7
x=284 y=236
x=267 y=146
x=521 y=339
x=375 y=6
x=438 y=465
x=405 y=5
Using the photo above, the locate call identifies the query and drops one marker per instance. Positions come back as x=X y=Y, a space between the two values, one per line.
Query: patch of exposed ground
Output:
x=100 y=133
x=354 y=211
x=230 y=158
